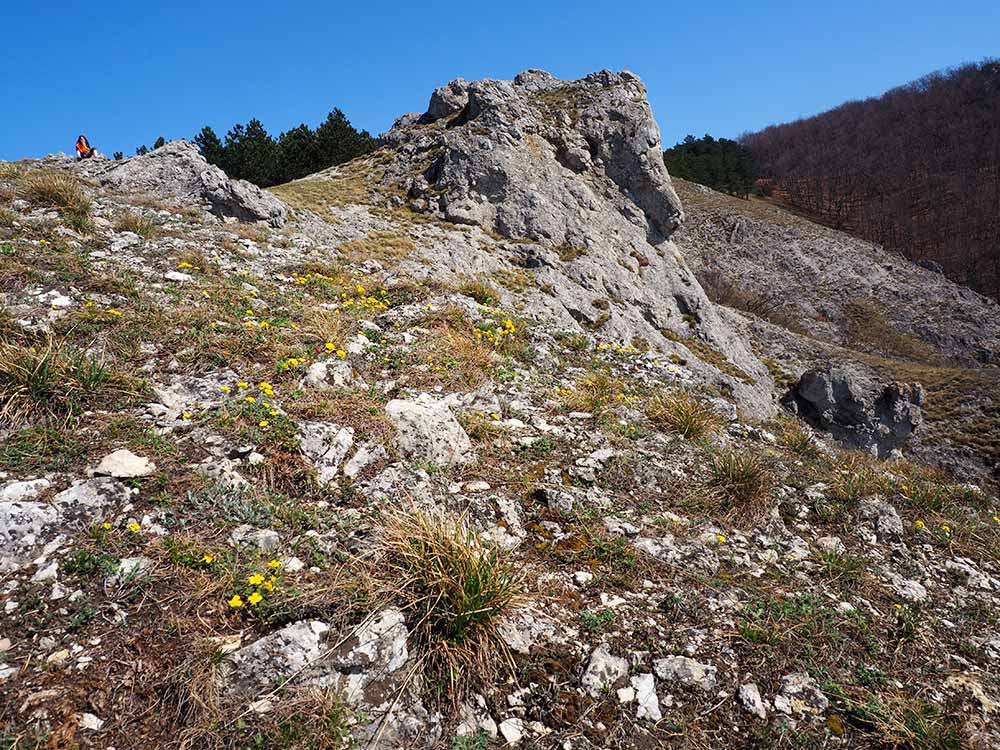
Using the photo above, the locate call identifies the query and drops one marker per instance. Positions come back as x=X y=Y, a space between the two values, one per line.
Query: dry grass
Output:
x=772 y=307
x=320 y=326
x=514 y=279
x=380 y=245
x=743 y=480
x=54 y=382
x=595 y=393
x=352 y=183
x=866 y=329
x=129 y=221
x=798 y=439
x=54 y=190
x=761 y=209
x=898 y=720
x=479 y=290
x=682 y=413
x=454 y=591
x=9 y=171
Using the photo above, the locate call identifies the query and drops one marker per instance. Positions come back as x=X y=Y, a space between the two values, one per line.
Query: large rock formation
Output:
x=570 y=175
x=857 y=410
x=178 y=170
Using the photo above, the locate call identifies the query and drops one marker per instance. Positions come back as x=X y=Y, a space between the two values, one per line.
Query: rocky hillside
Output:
x=448 y=448
x=816 y=295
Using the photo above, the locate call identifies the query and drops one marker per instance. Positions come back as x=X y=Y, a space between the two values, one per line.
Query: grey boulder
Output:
x=26 y=525
x=178 y=170
x=427 y=431
x=858 y=410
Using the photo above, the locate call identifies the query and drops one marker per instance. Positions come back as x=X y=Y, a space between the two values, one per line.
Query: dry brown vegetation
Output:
x=682 y=413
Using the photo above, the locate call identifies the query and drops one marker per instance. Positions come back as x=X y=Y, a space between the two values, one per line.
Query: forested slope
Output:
x=916 y=170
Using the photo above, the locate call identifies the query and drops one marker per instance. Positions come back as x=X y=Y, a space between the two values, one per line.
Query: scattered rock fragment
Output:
x=124 y=464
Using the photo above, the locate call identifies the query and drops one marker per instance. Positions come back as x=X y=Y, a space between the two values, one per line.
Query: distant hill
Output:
x=916 y=170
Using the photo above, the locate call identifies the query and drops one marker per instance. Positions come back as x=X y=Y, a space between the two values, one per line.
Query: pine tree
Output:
x=250 y=153
x=159 y=142
x=720 y=164
x=210 y=146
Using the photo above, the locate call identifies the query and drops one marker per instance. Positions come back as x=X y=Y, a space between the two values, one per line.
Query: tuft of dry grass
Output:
x=9 y=171
x=773 y=307
x=454 y=591
x=898 y=720
x=799 y=440
x=743 y=479
x=54 y=190
x=129 y=221
x=594 y=393
x=480 y=291
x=54 y=382
x=682 y=413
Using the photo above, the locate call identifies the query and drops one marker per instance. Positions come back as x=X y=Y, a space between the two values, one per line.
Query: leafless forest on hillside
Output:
x=917 y=170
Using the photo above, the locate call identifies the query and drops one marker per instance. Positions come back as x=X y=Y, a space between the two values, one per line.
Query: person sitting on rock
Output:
x=84 y=149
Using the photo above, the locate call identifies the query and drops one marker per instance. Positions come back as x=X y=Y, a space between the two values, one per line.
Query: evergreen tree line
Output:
x=721 y=164
x=249 y=152
x=916 y=170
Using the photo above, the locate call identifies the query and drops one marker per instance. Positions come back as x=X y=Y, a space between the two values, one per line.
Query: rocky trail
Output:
x=448 y=447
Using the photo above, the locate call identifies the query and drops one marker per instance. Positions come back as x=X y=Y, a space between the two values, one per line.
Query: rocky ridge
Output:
x=198 y=520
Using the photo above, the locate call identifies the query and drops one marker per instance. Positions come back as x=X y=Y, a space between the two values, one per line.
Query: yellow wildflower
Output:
x=241 y=384
x=186 y=415
x=920 y=524
x=105 y=525
x=946 y=528
x=721 y=538
x=263 y=423
x=134 y=527
x=207 y=559
x=341 y=353
x=255 y=598
x=274 y=564
x=236 y=601
x=330 y=347
x=225 y=388
x=251 y=400
x=256 y=579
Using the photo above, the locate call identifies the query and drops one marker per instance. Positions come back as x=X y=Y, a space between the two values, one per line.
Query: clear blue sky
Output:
x=126 y=72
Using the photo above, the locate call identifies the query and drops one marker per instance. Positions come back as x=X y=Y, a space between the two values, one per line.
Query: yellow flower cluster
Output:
x=184 y=265
x=617 y=348
x=290 y=362
x=494 y=334
x=312 y=276
x=332 y=348
x=260 y=585
x=366 y=302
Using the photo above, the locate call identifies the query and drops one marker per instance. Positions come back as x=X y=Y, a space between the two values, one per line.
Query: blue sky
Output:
x=126 y=72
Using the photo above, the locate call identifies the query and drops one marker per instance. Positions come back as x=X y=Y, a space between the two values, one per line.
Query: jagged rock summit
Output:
x=568 y=177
